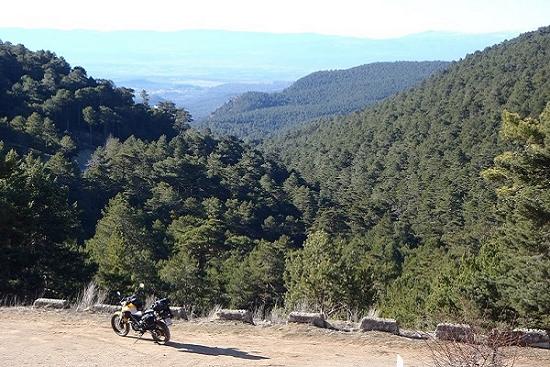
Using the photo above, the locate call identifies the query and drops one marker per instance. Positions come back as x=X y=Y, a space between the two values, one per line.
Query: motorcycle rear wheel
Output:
x=161 y=333
x=120 y=327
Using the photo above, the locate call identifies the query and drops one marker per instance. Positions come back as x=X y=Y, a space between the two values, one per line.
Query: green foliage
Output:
x=398 y=218
x=196 y=175
x=507 y=279
x=385 y=243
x=521 y=246
x=406 y=298
x=38 y=226
x=257 y=280
x=417 y=157
x=182 y=274
x=121 y=247
x=42 y=97
x=158 y=202
x=210 y=212
x=256 y=115
x=313 y=273
x=330 y=275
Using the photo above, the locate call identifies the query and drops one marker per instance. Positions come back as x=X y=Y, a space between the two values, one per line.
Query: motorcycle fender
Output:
x=121 y=315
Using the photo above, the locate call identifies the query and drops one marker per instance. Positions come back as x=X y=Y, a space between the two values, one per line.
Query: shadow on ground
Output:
x=205 y=350
x=214 y=351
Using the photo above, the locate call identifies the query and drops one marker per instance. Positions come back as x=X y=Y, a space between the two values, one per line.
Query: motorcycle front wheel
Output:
x=120 y=327
x=161 y=333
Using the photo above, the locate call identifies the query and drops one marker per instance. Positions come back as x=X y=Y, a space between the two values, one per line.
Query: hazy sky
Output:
x=363 y=18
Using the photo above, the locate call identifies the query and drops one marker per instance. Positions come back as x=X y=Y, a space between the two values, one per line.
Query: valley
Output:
x=258 y=116
x=418 y=191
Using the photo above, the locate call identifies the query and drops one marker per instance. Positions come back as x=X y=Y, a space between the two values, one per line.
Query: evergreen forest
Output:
x=254 y=116
x=431 y=204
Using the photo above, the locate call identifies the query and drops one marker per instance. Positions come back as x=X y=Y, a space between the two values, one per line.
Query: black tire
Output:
x=120 y=327
x=161 y=333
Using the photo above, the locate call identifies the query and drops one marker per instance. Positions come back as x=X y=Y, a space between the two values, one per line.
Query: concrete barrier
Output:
x=101 y=307
x=234 y=315
x=50 y=303
x=379 y=324
x=454 y=332
x=532 y=338
x=414 y=334
x=316 y=319
x=179 y=313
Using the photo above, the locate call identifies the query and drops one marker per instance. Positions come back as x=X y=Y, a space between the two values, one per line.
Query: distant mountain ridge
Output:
x=198 y=99
x=207 y=58
x=256 y=115
x=229 y=57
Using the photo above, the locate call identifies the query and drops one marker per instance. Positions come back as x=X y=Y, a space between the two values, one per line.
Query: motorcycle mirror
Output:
x=118 y=293
x=141 y=285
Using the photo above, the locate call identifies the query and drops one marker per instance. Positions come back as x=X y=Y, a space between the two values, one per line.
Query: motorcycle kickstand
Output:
x=140 y=335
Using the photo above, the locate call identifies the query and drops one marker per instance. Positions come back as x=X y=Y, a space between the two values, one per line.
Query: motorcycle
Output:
x=155 y=319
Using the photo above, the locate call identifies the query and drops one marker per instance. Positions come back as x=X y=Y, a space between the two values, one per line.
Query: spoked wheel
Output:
x=120 y=327
x=161 y=333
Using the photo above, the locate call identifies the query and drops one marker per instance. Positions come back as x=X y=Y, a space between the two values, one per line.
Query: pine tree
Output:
x=181 y=273
x=257 y=280
x=522 y=176
x=121 y=247
x=312 y=274
x=38 y=226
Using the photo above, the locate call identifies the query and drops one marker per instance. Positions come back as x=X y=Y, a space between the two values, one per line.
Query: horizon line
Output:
x=446 y=32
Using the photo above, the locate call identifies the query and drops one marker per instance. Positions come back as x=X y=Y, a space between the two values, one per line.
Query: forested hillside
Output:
x=194 y=216
x=409 y=168
x=256 y=115
x=431 y=205
x=43 y=99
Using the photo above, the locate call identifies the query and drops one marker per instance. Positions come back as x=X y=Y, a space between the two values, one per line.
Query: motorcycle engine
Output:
x=148 y=321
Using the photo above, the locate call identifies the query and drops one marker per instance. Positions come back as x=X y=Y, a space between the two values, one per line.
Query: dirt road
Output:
x=65 y=338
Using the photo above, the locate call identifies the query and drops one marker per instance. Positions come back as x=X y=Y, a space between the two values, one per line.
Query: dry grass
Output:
x=259 y=314
x=373 y=312
x=11 y=301
x=90 y=295
x=495 y=350
x=212 y=313
x=277 y=315
x=304 y=306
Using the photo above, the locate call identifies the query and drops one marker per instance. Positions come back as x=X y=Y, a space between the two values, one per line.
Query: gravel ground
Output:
x=65 y=338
